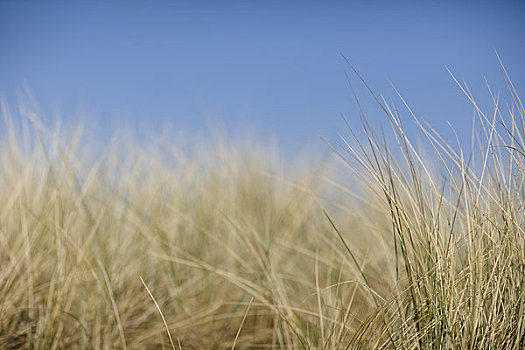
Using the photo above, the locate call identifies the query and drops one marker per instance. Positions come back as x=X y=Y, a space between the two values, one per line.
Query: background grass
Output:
x=219 y=246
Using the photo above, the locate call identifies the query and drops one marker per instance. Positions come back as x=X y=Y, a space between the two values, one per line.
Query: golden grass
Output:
x=157 y=246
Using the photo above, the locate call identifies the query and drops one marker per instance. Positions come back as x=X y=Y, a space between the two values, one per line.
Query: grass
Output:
x=221 y=247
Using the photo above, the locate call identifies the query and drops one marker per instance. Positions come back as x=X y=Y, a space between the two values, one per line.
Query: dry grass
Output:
x=220 y=248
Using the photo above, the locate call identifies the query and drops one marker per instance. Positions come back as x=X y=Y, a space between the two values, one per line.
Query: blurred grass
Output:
x=222 y=247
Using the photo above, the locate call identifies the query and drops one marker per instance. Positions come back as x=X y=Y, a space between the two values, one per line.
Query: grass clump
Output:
x=151 y=246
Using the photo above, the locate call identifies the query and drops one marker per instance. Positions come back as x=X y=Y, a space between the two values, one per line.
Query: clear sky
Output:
x=269 y=68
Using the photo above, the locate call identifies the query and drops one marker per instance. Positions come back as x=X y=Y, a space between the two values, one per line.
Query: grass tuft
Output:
x=405 y=251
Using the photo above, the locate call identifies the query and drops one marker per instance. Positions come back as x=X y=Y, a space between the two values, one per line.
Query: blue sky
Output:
x=271 y=69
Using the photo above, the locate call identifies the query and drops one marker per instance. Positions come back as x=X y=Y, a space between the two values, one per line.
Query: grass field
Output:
x=216 y=246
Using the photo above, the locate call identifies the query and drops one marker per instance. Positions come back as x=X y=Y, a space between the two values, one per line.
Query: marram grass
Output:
x=224 y=248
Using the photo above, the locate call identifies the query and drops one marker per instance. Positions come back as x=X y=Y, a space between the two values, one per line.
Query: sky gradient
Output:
x=270 y=69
